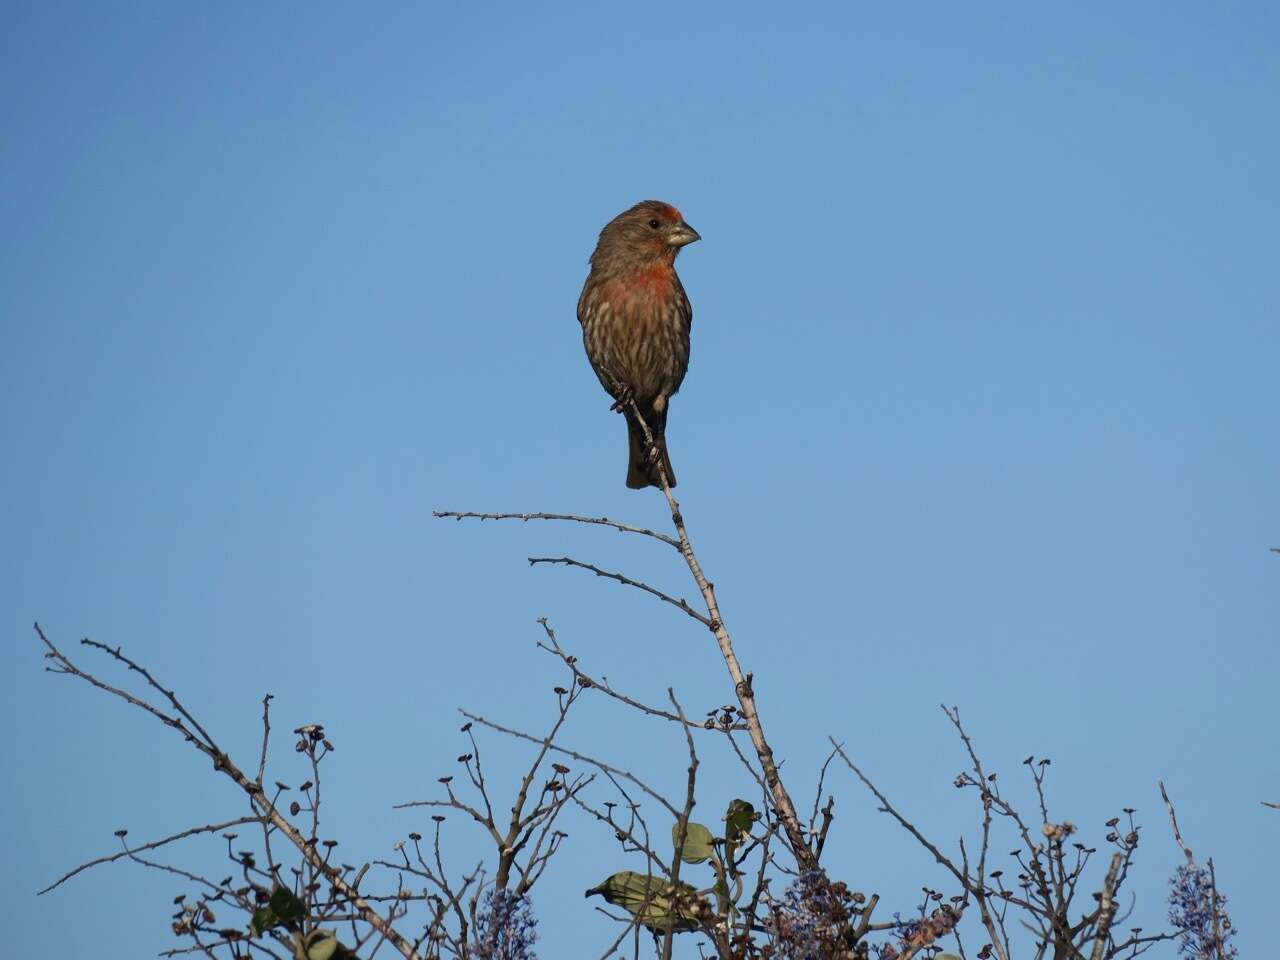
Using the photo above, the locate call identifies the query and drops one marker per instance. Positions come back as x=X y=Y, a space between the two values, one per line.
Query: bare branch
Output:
x=819 y=834
x=129 y=851
x=742 y=682
x=580 y=757
x=600 y=521
x=906 y=824
x=266 y=737
x=1106 y=909
x=602 y=684
x=680 y=604
x=1173 y=822
x=223 y=763
x=682 y=822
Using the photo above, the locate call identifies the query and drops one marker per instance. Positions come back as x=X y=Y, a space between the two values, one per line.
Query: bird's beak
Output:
x=684 y=235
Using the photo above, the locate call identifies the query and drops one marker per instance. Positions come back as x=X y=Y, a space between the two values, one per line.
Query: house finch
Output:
x=635 y=324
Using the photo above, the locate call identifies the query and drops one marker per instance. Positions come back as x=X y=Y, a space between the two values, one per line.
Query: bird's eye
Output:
x=653 y=224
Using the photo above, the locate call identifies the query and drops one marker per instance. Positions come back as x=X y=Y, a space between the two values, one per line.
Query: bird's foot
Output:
x=622 y=400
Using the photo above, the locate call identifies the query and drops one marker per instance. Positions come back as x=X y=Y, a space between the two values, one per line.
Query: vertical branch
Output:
x=682 y=829
x=786 y=809
x=1200 y=910
x=266 y=737
x=1106 y=909
x=1219 y=946
x=1173 y=822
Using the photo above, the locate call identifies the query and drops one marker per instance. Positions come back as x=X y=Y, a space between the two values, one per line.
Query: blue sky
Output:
x=981 y=411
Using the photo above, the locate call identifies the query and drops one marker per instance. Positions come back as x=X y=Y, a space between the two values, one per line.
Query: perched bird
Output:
x=635 y=324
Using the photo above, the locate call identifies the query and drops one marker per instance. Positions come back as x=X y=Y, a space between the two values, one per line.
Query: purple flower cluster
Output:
x=813 y=920
x=1193 y=906
x=505 y=928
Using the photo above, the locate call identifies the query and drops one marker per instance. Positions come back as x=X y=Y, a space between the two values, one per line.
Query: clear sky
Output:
x=982 y=410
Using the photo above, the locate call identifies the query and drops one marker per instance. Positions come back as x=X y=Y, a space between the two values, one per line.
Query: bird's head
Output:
x=649 y=231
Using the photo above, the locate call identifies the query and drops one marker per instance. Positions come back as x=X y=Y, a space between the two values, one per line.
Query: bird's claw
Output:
x=622 y=400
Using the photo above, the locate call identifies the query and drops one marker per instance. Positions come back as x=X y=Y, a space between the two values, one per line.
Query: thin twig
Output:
x=580 y=757
x=583 y=679
x=599 y=521
x=682 y=828
x=266 y=737
x=819 y=834
x=1173 y=822
x=129 y=851
x=906 y=824
x=680 y=604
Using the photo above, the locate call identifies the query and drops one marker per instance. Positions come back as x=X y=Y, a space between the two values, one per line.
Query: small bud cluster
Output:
x=925 y=931
x=1057 y=832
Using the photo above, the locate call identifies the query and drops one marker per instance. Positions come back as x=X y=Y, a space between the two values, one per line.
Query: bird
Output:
x=635 y=320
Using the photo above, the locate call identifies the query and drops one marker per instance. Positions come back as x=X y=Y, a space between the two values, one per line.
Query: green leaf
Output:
x=737 y=824
x=653 y=901
x=285 y=905
x=738 y=820
x=698 y=842
x=262 y=921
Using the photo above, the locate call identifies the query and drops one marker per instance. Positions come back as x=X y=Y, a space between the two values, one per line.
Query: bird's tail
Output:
x=641 y=470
